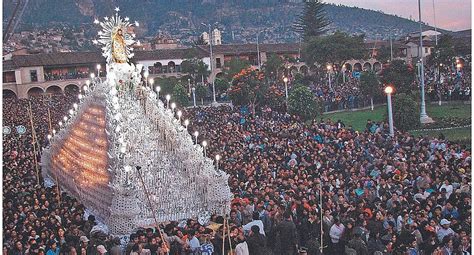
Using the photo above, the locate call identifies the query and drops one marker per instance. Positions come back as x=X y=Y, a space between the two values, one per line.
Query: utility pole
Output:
x=258 y=53
x=423 y=116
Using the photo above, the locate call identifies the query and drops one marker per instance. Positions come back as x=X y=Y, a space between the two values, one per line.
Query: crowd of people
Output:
x=321 y=187
x=66 y=76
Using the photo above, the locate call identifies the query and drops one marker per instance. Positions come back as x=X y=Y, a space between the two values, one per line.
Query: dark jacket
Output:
x=359 y=245
x=288 y=237
x=257 y=244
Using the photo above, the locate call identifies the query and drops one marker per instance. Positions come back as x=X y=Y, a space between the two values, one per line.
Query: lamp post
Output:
x=189 y=86
x=179 y=113
x=196 y=133
x=212 y=60
x=173 y=105
x=218 y=157
x=204 y=144
x=92 y=77
x=194 y=96
x=186 y=123
x=285 y=80
x=329 y=67
x=168 y=97
x=423 y=116
x=98 y=69
x=158 y=89
x=389 y=91
x=438 y=81
x=146 y=78
x=151 y=81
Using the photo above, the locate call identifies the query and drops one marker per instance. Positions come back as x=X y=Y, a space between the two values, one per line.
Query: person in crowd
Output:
x=394 y=190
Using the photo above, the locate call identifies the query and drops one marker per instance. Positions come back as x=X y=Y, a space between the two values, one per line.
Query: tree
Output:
x=272 y=65
x=312 y=22
x=167 y=85
x=196 y=68
x=180 y=95
x=405 y=112
x=248 y=88
x=201 y=92
x=400 y=75
x=221 y=85
x=236 y=66
x=301 y=102
x=370 y=86
x=383 y=54
x=336 y=48
x=444 y=52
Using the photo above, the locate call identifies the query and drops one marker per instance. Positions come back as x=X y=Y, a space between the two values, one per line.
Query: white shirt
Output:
x=449 y=189
x=336 y=232
x=194 y=244
x=259 y=223
x=242 y=249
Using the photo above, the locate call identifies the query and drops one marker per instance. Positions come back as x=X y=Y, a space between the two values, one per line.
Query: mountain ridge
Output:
x=239 y=21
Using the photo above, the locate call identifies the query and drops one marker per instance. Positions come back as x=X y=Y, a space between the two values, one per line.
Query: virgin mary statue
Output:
x=118 y=47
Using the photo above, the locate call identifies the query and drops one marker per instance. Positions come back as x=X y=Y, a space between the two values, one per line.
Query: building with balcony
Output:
x=24 y=75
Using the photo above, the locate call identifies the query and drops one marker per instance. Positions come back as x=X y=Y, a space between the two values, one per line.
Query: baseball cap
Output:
x=444 y=222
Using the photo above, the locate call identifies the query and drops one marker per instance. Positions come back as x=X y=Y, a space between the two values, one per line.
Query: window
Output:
x=218 y=63
x=33 y=76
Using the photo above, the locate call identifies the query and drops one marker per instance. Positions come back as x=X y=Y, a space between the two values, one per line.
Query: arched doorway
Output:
x=71 y=89
x=156 y=68
x=171 y=67
x=35 y=91
x=357 y=67
x=7 y=93
x=348 y=67
x=367 y=66
x=304 y=69
x=54 y=90
x=220 y=75
x=377 y=66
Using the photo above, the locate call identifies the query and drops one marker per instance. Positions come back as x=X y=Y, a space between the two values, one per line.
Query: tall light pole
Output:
x=329 y=67
x=285 y=80
x=211 y=62
x=389 y=91
x=146 y=78
x=423 y=116
x=158 y=89
x=258 y=53
x=98 y=70
x=194 y=96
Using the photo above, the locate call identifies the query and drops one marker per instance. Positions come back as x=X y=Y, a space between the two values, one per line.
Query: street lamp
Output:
x=173 y=105
x=204 y=144
x=329 y=68
x=285 y=80
x=212 y=60
x=98 y=70
x=179 y=113
x=151 y=81
x=146 y=77
x=92 y=76
x=189 y=86
x=186 y=123
x=194 y=96
x=168 y=97
x=218 y=157
x=158 y=89
x=196 y=133
x=423 y=116
x=389 y=91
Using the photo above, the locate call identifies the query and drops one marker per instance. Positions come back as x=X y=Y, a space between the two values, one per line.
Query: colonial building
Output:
x=25 y=74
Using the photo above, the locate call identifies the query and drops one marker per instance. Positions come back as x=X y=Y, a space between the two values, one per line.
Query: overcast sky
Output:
x=450 y=14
